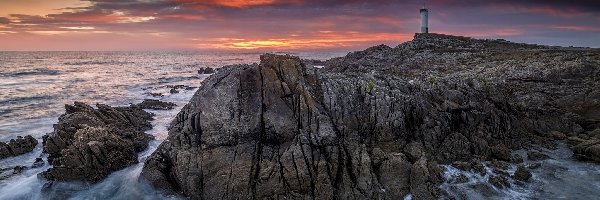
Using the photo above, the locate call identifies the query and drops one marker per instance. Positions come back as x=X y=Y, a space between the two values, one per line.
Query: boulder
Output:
x=522 y=173
x=88 y=144
x=501 y=152
x=153 y=104
x=589 y=149
x=18 y=146
x=535 y=155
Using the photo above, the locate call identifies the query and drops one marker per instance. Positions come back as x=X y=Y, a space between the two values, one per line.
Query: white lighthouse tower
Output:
x=424 y=20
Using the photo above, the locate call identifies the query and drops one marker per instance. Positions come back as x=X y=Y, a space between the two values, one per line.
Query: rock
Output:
x=499 y=181
x=88 y=144
x=422 y=181
x=39 y=162
x=155 y=94
x=575 y=140
x=516 y=158
x=207 y=70
x=522 y=173
x=584 y=136
x=156 y=105
x=173 y=91
x=501 y=152
x=589 y=150
x=558 y=135
x=465 y=166
x=283 y=129
x=19 y=146
x=534 y=165
x=18 y=170
x=414 y=151
x=536 y=155
x=396 y=181
x=499 y=165
x=595 y=133
x=478 y=167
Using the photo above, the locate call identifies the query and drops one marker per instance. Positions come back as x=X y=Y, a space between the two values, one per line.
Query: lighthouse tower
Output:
x=424 y=20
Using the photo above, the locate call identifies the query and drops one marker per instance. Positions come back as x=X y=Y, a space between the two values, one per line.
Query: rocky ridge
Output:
x=18 y=146
x=376 y=124
x=88 y=144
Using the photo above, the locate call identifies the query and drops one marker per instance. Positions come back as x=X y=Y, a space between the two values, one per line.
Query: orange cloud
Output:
x=577 y=28
x=318 y=40
x=227 y=3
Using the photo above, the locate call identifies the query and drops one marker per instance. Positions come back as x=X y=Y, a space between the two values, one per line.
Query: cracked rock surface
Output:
x=374 y=124
x=88 y=144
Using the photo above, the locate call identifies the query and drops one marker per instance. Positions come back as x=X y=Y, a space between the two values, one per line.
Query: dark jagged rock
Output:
x=536 y=155
x=39 y=162
x=522 y=173
x=285 y=129
x=18 y=146
x=206 y=70
x=87 y=144
x=153 y=104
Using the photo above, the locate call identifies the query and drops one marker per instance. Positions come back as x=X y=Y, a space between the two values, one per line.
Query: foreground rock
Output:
x=376 y=123
x=88 y=144
x=19 y=146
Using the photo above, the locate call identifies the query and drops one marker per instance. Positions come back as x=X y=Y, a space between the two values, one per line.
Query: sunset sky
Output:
x=285 y=24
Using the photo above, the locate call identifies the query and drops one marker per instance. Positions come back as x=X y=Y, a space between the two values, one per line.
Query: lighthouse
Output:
x=424 y=20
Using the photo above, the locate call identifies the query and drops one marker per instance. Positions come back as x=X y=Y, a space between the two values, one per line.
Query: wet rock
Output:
x=499 y=181
x=499 y=165
x=478 y=167
x=575 y=140
x=522 y=173
x=156 y=94
x=156 y=105
x=423 y=180
x=534 y=165
x=18 y=146
x=589 y=150
x=465 y=166
x=516 y=158
x=39 y=162
x=88 y=144
x=536 y=155
x=501 y=152
x=558 y=135
x=18 y=170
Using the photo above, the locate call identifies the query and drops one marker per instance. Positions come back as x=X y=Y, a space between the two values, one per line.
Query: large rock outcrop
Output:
x=88 y=144
x=374 y=124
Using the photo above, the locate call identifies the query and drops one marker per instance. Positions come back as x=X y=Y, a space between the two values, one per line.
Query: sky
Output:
x=286 y=25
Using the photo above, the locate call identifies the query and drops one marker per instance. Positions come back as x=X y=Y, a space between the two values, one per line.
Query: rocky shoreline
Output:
x=377 y=124
x=383 y=123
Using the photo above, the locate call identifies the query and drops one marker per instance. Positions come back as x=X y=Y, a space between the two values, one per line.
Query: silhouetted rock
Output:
x=207 y=70
x=156 y=105
x=285 y=129
x=87 y=144
x=18 y=146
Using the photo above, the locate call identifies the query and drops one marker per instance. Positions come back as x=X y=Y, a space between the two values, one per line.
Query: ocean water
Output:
x=35 y=86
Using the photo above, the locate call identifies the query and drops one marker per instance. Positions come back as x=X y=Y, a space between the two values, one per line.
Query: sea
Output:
x=35 y=86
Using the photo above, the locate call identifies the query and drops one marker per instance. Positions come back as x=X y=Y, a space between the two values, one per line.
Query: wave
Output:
x=97 y=62
x=33 y=73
